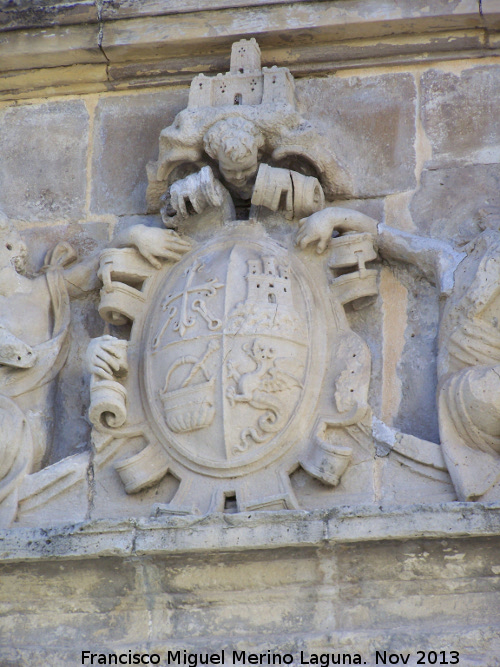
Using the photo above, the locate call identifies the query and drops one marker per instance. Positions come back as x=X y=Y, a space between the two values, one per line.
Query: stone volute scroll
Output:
x=240 y=365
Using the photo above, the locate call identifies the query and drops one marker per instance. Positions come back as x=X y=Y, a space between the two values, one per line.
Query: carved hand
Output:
x=318 y=227
x=182 y=190
x=153 y=242
x=200 y=190
x=107 y=357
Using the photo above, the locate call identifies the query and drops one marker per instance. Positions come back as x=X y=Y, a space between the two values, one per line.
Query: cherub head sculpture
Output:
x=238 y=137
x=235 y=142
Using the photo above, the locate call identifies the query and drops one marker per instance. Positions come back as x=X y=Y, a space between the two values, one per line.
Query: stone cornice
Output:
x=227 y=533
x=76 y=47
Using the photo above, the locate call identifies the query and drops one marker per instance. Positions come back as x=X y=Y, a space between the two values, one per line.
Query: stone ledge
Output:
x=44 y=13
x=249 y=531
x=148 y=43
x=47 y=13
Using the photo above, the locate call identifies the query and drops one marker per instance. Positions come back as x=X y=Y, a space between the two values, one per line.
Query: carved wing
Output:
x=302 y=147
x=277 y=379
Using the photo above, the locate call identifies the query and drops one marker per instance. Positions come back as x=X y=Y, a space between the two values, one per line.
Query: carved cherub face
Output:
x=238 y=172
x=13 y=250
x=234 y=142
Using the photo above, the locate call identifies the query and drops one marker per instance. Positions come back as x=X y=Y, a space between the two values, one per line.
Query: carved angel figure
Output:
x=35 y=339
x=469 y=340
x=236 y=147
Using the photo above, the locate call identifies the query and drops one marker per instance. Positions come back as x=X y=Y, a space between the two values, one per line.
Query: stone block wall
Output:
x=352 y=600
x=156 y=589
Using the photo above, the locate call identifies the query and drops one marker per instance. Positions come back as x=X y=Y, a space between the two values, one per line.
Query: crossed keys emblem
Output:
x=185 y=314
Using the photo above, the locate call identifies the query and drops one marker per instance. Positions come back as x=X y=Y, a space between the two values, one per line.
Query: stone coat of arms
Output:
x=241 y=365
x=229 y=367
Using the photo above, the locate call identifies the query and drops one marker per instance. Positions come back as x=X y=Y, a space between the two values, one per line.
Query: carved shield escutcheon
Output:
x=228 y=343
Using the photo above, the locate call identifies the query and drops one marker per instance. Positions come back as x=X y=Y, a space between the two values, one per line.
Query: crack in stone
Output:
x=293 y=193
x=90 y=486
x=100 y=35
x=134 y=541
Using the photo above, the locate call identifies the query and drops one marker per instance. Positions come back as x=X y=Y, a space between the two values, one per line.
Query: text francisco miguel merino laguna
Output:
x=219 y=658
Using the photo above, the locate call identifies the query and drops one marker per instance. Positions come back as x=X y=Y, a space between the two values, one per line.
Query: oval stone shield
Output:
x=228 y=353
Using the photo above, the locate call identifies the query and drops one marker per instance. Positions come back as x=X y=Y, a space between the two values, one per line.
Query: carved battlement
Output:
x=245 y=83
x=268 y=283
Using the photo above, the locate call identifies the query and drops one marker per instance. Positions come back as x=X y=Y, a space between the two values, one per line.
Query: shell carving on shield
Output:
x=240 y=365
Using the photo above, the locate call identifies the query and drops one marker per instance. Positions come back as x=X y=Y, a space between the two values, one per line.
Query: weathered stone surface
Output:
x=35 y=316
x=374 y=590
x=30 y=83
x=362 y=568
x=43 y=176
x=71 y=431
x=369 y=123
x=238 y=532
x=467 y=371
x=41 y=494
x=463 y=12
x=490 y=12
x=461 y=115
x=340 y=598
x=86 y=239
x=92 y=590
x=243 y=371
x=401 y=478
x=335 y=20
x=134 y=8
x=125 y=138
x=374 y=208
x=59 y=46
x=206 y=136
x=337 y=34
x=108 y=487
x=26 y=14
x=417 y=409
x=447 y=202
x=133 y=37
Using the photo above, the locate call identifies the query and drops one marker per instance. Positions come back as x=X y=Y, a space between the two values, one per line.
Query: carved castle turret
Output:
x=245 y=83
x=268 y=284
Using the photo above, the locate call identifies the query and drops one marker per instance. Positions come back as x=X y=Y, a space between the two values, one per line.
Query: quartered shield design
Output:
x=228 y=352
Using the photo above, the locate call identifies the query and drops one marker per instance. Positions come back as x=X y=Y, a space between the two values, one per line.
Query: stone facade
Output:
x=354 y=402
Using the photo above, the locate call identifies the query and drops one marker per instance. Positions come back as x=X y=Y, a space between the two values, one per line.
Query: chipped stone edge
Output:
x=226 y=533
